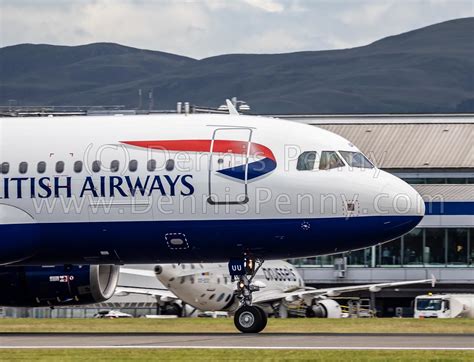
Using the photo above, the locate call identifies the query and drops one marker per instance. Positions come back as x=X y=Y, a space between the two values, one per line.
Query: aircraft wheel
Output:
x=264 y=318
x=250 y=319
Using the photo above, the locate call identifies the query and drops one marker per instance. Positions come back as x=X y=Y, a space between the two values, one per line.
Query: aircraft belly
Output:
x=207 y=241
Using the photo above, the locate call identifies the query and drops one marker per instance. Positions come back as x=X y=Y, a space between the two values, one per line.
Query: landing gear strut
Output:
x=248 y=318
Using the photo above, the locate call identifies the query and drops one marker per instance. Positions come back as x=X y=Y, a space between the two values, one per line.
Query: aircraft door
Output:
x=228 y=166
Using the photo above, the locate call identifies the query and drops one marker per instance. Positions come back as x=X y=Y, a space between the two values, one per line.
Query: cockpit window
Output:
x=306 y=161
x=329 y=160
x=356 y=159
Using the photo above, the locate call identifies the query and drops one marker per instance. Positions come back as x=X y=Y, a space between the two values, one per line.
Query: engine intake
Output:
x=327 y=308
x=57 y=286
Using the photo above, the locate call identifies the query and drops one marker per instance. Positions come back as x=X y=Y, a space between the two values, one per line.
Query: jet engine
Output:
x=326 y=308
x=57 y=286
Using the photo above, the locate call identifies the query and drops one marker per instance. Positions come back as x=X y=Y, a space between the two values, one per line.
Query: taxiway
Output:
x=235 y=340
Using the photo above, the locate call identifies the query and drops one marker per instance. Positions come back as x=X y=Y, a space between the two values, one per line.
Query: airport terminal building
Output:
x=435 y=154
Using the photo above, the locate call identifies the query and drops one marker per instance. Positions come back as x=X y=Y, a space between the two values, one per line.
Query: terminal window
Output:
x=421 y=247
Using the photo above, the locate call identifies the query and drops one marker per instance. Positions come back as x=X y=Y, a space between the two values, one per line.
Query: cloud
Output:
x=271 y=6
x=170 y=26
x=363 y=22
x=273 y=41
x=370 y=13
x=202 y=28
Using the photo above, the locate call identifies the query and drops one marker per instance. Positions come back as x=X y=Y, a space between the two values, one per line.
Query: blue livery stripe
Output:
x=255 y=169
x=449 y=208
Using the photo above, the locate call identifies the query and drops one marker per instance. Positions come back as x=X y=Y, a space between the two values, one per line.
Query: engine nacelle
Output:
x=326 y=308
x=57 y=286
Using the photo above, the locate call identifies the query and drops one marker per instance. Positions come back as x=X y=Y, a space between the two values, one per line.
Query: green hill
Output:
x=425 y=70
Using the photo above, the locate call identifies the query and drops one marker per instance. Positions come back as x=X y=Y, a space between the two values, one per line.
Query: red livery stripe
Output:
x=221 y=146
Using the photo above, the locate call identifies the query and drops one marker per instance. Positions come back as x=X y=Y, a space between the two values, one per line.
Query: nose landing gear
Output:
x=248 y=318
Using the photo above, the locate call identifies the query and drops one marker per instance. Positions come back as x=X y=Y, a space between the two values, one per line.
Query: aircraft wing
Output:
x=266 y=296
x=334 y=292
x=151 y=273
x=269 y=296
x=155 y=292
x=139 y=272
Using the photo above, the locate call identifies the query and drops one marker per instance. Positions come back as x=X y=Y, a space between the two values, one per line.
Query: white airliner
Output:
x=86 y=194
x=209 y=287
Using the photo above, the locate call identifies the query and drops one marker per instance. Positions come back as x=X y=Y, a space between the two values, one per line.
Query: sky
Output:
x=204 y=28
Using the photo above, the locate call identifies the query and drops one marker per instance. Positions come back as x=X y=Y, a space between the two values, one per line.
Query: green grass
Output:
x=232 y=355
x=203 y=325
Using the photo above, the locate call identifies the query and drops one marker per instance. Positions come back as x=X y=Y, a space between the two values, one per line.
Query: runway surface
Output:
x=236 y=340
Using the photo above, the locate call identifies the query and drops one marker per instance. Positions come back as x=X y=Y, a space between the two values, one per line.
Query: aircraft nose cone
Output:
x=420 y=204
x=403 y=203
x=403 y=199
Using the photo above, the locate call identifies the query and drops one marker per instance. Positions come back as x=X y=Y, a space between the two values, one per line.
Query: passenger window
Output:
x=59 y=167
x=23 y=167
x=5 y=167
x=133 y=165
x=169 y=165
x=114 y=166
x=96 y=166
x=41 y=167
x=329 y=160
x=78 y=166
x=356 y=159
x=220 y=297
x=306 y=161
x=151 y=165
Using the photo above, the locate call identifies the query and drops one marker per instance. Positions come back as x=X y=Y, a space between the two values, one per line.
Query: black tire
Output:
x=250 y=319
x=264 y=318
x=310 y=312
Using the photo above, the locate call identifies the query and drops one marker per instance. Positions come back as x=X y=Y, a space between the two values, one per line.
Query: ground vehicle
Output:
x=112 y=314
x=444 y=306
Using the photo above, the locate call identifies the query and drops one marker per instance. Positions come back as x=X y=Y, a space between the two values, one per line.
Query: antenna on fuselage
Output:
x=231 y=107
